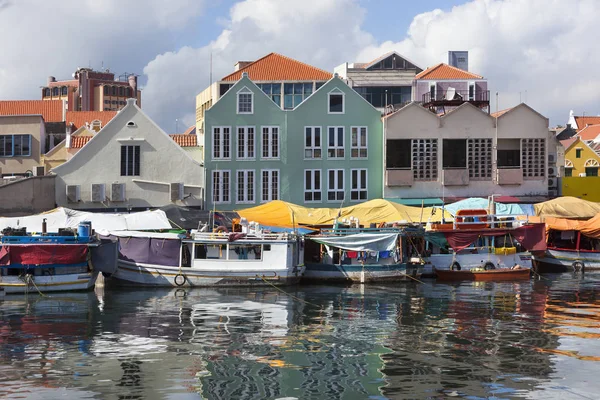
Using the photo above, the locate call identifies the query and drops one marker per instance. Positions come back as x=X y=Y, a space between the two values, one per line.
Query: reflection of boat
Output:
x=504 y=274
x=364 y=255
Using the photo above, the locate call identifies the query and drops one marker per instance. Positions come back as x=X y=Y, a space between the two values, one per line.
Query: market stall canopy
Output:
x=567 y=207
x=590 y=228
x=281 y=213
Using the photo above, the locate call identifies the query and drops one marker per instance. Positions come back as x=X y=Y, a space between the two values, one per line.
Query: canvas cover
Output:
x=360 y=241
x=474 y=203
x=43 y=254
x=590 y=228
x=149 y=250
x=281 y=213
x=190 y=218
x=567 y=207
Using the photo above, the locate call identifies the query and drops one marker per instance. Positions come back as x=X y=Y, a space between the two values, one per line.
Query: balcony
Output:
x=455 y=177
x=399 y=177
x=509 y=176
x=454 y=98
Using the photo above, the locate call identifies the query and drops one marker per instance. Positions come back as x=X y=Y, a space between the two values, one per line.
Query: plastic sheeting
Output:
x=280 y=213
x=481 y=203
x=67 y=218
x=150 y=250
x=567 y=207
x=590 y=228
x=360 y=241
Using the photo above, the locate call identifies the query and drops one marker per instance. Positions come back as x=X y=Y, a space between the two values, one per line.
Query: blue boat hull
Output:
x=357 y=273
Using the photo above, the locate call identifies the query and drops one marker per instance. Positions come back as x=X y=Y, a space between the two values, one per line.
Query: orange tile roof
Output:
x=78 y=142
x=590 y=132
x=190 y=130
x=583 y=121
x=51 y=110
x=501 y=112
x=80 y=118
x=568 y=142
x=72 y=82
x=185 y=140
x=445 y=71
x=275 y=67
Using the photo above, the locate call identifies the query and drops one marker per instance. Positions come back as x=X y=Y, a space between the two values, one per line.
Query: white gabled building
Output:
x=130 y=164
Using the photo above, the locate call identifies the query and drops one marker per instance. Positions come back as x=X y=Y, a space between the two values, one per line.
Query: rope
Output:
x=28 y=280
x=288 y=294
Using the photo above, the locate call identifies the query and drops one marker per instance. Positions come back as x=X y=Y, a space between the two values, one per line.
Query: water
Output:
x=535 y=340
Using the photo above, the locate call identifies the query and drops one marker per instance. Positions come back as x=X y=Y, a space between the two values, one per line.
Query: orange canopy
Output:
x=590 y=228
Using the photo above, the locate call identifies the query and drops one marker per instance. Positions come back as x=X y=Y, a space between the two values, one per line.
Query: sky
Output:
x=542 y=52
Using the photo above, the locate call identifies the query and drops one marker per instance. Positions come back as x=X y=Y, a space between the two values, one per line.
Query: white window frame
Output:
x=248 y=189
x=336 y=92
x=360 y=185
x=359 y=147
x=474 y=91
x=245 y=155
x=315 y=146
x=270 y=183
x=312 y=190
x=222 y=147
x=336 y=187
x=221 y=188
x=336 y=145
x=271 y=135
x=244 y=90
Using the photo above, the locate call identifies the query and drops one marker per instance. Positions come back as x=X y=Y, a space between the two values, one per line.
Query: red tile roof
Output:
x=78 y=142
x=568 y=142
x=51 y=110
x=445 y=71
x=185 y=140
x=590 y=132
x=583 y=121
x=501 y=112
x=275 y=67
x=80 y=118
x=190 y=130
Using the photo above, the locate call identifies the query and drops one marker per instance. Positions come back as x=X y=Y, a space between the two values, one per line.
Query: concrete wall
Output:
x=27 y=196
x=23 y=125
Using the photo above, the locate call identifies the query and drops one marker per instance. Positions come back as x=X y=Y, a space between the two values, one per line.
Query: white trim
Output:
x=361 y=186
x=221 y=187
x=568 y=163
x=359 y=147
x=312 y=189
x=221 y=143
x=336 y=146
x=314 y=146
x=246 y=150
x=591 y=163
x=337 y=92
x=336 y=183
x=245 y=174
x=244 y=90
x=270 y=173
x=271 y=135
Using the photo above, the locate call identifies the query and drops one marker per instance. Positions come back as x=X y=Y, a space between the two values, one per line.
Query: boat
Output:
x=503 y=274
x=253 y=256
x=48 y=262
x=364 y=255
x=483 y=246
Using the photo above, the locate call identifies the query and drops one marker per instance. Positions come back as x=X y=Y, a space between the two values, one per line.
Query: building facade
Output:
x=323 y=153
x=22 y=141
x=582 y=161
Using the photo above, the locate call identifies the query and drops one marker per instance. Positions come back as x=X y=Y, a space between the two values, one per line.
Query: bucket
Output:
x=84 y=230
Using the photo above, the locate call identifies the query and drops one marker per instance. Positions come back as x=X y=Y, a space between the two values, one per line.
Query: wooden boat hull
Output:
x=357 y=273
x=503 y=274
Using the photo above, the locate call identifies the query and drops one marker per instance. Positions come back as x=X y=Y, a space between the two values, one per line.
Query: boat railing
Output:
x=354 y=231
x=483 y=221
x=233 y=236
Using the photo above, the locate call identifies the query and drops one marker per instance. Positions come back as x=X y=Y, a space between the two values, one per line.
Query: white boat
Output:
x=205 y=259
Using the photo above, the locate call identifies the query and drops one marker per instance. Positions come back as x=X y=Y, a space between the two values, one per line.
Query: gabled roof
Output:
x=51 y=110
x=78 y=142
x=568 y=142
x=191 y=130
x=445 y=71
x=590 y=132
x=521 y=105
x=381 y=58
x=501 y=112
x=582 y=121
x=80 y=118
x=275 y=67
x=185 y=140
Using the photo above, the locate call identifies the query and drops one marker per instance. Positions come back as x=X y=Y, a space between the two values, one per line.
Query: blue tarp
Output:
x=480 y=203
x=278 y=229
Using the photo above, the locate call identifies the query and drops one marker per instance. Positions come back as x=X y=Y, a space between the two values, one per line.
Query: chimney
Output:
x=241 y=64
x=133 y=83
x=51 y=79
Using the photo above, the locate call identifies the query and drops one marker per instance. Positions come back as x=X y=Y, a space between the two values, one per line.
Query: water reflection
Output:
x=474 y=340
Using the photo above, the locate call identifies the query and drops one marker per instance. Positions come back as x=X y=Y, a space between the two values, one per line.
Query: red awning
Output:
x=532 y=236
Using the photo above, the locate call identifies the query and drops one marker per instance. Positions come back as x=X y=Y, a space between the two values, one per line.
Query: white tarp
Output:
x=360 y=241
x=67 y=218
x=138 y=234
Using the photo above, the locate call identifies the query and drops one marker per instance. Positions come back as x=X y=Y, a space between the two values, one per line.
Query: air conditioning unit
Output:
x=552 y=171
x=73 y=193
x=176 y=191
x=552 y=193
x=552 y=182
x=582 y=175
x=551 y=158
x=117 y=192
x=40 y=170
x=98 y=192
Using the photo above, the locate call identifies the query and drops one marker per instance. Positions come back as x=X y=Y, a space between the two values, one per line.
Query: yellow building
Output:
x=582 y=161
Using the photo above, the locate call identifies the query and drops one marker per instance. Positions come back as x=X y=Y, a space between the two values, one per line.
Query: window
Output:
x=335 y=185
x=245 y=185
x=273 y=90
x=130 y=160
x=358 y=143
x=114 y=90
x=454 y=153
x=295 y=93
x=425 y=159
x=578 y=153
x=21 y=145
x=220 y=186
x=55 y=91
x=270 y=184
x=336 y=102
x=312 y=142
x=471 y=91
x=47 y=92
x=106 y=101
x=591 y=171
x=508 y=153
x=533 y=158
x=106 y=90
x=312 y=185
x=398 y=154
x=358 y=186
x=270 y=142
x=64 y=90
x=432 y=91
x=121 y=92
x=221 y=142
x=245 y=101
x=335 y=142
x=568 y=171
x=480 y=159
x=245 y=141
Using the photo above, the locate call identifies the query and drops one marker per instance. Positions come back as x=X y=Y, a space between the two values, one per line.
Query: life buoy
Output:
x=180 y=282
x=455 y=266
x=489 y=266
x=220 y=229
x=578 y=266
